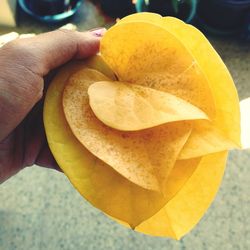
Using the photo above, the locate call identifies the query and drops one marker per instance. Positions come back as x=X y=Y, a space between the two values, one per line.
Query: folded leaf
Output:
x=96 y=181
x=147 y=54
x=144 y=157
x=210 y=64
x=131 y=107
x=220 y=81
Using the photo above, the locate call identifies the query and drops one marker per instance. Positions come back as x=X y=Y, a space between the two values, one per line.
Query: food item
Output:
x=143 y=130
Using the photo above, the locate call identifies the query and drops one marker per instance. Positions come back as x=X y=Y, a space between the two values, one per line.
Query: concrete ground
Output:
x=39 y=209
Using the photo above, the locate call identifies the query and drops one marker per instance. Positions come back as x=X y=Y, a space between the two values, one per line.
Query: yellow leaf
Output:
x=184 y=211
x=140 y=148
x=147 y=54
x=142 y=17
x=144 y=157
x=225 y=95
x=226 y=118
x=96 y=181
x=96 y=62
x=131 y=107
x=180 y=174
x=178 y=177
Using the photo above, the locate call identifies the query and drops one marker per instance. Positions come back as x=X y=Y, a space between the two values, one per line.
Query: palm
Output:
x=27 y=145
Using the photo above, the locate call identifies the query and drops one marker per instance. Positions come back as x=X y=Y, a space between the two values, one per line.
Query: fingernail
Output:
x=99 y=32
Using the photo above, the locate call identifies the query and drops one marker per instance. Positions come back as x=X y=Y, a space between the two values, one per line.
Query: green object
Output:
x=175 y=4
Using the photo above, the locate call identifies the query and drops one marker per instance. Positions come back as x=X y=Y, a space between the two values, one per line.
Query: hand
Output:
x=26 y=66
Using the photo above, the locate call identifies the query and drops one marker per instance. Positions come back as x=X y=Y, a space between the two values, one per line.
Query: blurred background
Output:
x=39 y=209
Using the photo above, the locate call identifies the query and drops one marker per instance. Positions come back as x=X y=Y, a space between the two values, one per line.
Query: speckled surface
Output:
x=39 y=209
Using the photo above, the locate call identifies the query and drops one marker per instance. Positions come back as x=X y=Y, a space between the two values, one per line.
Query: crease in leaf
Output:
x=182 y=171
x=180 y=175
x=144 y=157
x=130 y=107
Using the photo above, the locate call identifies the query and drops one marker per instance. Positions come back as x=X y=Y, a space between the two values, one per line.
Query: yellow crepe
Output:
x=131 y=107
x=145 y=157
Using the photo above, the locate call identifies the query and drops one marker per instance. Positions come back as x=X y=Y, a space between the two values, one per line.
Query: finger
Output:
x=50 y=50
x=46 y=159
x=34 y=135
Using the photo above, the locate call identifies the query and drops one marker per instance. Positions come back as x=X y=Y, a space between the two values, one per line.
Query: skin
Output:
x=27 y=66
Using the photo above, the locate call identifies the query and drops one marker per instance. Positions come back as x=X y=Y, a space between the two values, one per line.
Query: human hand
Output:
x=27 y=65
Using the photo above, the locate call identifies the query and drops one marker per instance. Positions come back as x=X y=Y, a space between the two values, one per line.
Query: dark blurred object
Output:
x=161 y=7
x=246 y=29
x=224 y=16
x=50 y=11
x=219 y=17
x=48 y=7
x=182 y=9
x=117 y=8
